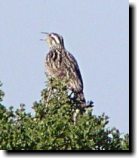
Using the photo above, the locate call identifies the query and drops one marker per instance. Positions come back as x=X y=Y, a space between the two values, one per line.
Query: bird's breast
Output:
x=54 y=63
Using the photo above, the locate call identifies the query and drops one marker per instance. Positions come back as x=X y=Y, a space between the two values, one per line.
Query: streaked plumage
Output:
x=61 y=64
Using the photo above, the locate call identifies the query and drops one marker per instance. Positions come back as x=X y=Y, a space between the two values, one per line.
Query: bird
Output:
x=61 y=64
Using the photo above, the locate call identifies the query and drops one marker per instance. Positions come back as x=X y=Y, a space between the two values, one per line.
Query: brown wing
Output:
x=73 y=72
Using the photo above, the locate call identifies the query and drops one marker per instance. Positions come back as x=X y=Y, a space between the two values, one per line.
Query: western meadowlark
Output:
x=61 y=64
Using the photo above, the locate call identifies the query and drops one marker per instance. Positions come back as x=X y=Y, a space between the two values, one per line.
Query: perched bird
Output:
x=61 y=64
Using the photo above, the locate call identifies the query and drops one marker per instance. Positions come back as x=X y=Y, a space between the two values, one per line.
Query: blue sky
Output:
x=95 y=32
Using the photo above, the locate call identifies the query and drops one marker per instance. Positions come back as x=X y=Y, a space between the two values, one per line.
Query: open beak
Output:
x=44 y=32
x=44 y=39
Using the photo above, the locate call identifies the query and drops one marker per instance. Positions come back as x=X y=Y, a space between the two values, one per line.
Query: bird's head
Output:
x=54 y=40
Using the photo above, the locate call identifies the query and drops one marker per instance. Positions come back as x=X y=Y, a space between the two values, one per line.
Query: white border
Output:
x=135 y=155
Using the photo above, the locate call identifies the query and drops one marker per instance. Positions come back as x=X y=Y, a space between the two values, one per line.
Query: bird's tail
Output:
x=82 y=100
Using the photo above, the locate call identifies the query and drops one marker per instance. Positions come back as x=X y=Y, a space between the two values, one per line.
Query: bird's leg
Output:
x=49 y=95
x=74 y=116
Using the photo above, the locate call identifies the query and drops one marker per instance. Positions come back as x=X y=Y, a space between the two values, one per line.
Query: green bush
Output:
x=51 y=125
